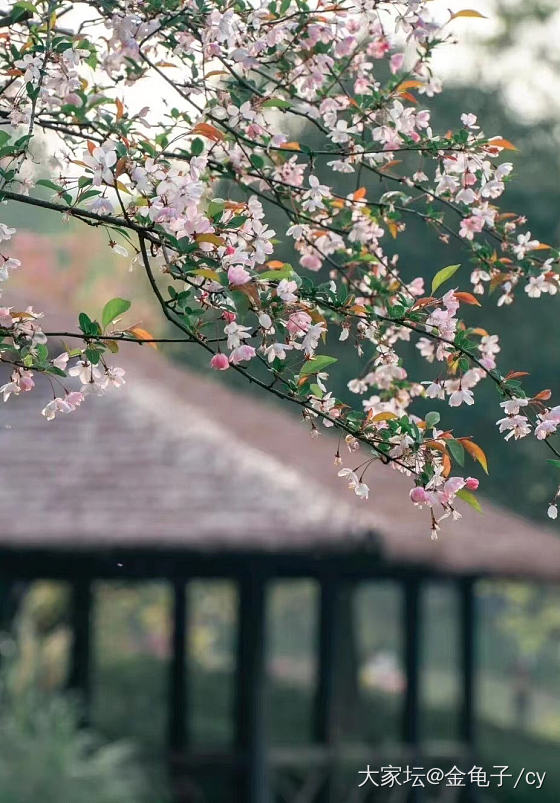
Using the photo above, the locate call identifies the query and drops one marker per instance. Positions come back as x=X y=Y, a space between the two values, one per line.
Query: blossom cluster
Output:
x=275 y=106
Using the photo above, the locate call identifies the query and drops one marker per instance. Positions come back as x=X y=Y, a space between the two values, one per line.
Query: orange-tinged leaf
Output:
x=338 y=203
x=208 y=273
x=91 y=146
x=475 y=452
x=440 y=447
x=316 y=316
x=423 y=302
x=384 y=417
x=393 y=228
x=478 y=330
x=408 y=96
x=358 y=309
x=208 y=131
x=467 y=298
x=502 y=143
x=452 y=364
x=409 y=85
x=142 y=334
x=468 y=12
x=210 y=238
x=541 y=247
x=291 y=146
x=515 y=375
x=251 y=292
x=237 y=205
x=360 y=194
x=392 y=163
x=275 y=264
x=120 y=108
x=543 y=395
x=446 y=465
x=120 y=167
x=215 y=72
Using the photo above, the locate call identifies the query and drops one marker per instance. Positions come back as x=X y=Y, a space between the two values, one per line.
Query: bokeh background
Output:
x=505 y=69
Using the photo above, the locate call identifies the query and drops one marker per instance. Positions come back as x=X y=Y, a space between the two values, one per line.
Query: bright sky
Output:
x=527 y=78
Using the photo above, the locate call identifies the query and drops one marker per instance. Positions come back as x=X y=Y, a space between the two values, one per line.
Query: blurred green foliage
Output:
x=45 y=754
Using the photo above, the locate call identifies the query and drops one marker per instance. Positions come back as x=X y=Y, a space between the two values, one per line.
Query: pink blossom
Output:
x=419 y=496
x=396 y=62
x=237 y=275
x=299 y=322
x=242 y=353
x=219 y=362
x=311 y=261
x=470 y=226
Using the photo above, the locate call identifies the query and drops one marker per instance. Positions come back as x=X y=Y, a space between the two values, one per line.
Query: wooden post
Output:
x=412 y=622
x=79 y=676
x=250 y=722
x=324 y=714
x=467 y=646
x=177 y=704
x=411 y=630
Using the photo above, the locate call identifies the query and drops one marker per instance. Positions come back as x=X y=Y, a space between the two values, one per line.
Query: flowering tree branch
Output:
x=273 y=106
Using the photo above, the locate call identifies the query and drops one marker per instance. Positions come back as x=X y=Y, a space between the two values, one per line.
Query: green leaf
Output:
x=470 y=499
x=555 y=463
x=26 y=6
x=317 y=364
x=276 y=103
x=257 y=161
x=443 y=275
x=93 y=355
x=43 y=182
x=236 y=221
x=215 y=207
x=432 y=419
x=278 y=273
x=197 y=146
x=112 y=310
x=52 y=369
x=85 y=323
x=457 y=451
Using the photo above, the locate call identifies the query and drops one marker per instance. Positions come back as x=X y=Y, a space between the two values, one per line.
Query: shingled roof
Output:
x=176 y=460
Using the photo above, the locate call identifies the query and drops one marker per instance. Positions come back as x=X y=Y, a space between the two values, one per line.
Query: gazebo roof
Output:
x=173 y=460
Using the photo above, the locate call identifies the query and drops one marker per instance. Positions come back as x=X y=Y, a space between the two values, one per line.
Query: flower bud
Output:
x=419 y=495
x=219 y=362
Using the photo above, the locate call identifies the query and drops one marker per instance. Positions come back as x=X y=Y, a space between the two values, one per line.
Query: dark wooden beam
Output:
x=250 y=720
x=79 y=676
x=156 y=562
x=411 y=632
x=177 y=701
x=467 y=651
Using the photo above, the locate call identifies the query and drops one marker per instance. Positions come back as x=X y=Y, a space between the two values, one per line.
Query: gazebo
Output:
x=190 y=480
